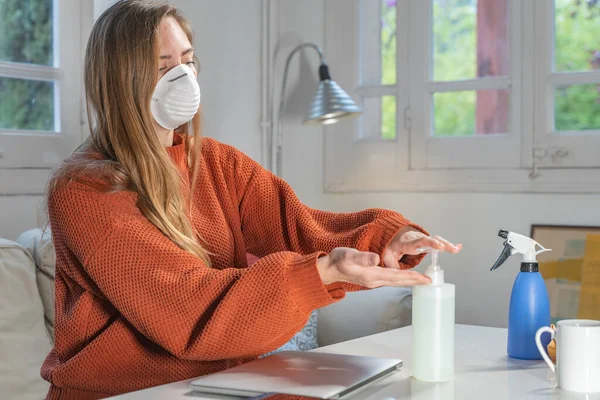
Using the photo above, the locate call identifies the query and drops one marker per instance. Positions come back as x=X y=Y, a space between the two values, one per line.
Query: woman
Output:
x=152 y=226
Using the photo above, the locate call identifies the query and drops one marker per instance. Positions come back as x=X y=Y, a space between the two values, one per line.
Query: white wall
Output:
x=228 y=46
x=471 y=219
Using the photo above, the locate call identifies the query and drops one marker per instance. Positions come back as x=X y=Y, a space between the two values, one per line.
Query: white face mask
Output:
x=176 y=98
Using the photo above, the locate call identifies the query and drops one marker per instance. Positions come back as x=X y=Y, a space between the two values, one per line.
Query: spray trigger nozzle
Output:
x=506 y=252
x=516 y=243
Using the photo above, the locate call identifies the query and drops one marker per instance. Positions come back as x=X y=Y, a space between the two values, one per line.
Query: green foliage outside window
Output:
x=577 y=48
x=26 y=37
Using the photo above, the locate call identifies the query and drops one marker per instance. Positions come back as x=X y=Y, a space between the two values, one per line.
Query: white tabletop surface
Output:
x=482 y=371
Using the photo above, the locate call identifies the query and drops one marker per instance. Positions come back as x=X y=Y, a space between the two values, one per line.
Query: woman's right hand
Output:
x=344 y=264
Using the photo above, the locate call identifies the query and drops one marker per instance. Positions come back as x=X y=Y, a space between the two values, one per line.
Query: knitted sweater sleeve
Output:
x=174 y=299
x=274 y=219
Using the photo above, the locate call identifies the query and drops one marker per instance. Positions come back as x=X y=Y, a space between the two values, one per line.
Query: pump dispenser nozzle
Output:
x=434 y=271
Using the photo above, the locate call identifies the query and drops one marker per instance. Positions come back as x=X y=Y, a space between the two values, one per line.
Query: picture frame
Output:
x=571 y=270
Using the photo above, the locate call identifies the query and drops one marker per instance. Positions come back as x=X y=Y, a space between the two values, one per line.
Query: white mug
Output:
x=577 y=354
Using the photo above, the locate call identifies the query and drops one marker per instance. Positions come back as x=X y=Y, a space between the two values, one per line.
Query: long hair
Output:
x=123 y=148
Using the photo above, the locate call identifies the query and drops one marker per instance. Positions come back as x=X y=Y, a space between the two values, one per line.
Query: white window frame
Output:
x=479 y=151
x=579 y=149
x=27 y=157
x=358 y=163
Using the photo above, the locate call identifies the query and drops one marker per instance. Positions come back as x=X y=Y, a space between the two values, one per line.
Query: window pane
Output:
x=379 y=118
x=388 y=117
x=26 y=31
x=470 y=39
x=577 y=107
x=388 y=42
x=467 y=113
x=26 y=104
x=576 y=41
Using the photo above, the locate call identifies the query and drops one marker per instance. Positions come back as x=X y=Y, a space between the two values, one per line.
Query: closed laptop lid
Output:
x=310 y=374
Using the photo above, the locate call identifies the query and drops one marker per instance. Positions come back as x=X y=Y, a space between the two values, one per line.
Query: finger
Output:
x=398 y=283
x=451 y=247
x=390 y=260
x=365 y=258
x=404 y=283
x=426 y=242
x=377 y=276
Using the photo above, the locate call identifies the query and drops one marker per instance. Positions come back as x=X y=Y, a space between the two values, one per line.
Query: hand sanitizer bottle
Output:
x=433 y=326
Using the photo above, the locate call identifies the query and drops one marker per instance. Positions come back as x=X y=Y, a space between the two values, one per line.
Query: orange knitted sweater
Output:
x=133 y=310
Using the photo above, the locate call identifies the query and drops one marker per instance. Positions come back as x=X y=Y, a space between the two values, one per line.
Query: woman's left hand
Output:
x=410 y=241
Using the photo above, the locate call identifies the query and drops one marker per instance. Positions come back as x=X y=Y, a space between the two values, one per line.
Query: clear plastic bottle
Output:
x=433 y=326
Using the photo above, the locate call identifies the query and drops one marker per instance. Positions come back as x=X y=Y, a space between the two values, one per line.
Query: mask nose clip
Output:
x=179 y=77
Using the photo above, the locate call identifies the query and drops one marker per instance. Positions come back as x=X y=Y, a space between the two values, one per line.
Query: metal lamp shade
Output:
x=330 y=104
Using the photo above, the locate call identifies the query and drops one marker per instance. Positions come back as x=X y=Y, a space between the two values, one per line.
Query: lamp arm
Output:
x=279 y=142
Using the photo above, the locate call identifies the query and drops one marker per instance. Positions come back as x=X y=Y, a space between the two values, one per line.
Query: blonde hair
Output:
x=123 y=148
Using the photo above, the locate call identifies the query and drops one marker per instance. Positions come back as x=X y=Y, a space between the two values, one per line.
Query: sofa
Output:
x=27 y=314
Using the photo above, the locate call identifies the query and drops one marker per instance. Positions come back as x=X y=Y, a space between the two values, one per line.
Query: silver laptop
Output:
x=310 y=374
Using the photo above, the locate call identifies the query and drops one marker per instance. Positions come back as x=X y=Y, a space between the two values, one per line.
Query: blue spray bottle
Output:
x=529 y=304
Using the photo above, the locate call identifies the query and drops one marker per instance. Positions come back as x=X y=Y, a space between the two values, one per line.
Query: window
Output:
x=40 y=89
x=466 y=95
x=568 y=81
x=378 y=50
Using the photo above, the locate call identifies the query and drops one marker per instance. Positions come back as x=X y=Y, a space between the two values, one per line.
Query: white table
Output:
x=482 y=371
